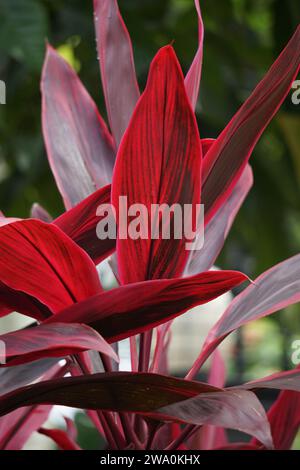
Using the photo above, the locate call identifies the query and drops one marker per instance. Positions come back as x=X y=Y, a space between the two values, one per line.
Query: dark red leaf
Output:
x=80 y=224
x=155 y=396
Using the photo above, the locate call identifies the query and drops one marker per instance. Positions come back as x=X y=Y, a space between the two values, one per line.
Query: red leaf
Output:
x=79 y=147
x=39 y=260
x=284 y=418
x=159 y=161
x=206 y=144
x=155 y=396
x=80 y=224
x=193 y=77
x=61 y=438
x=227 y=158
x=52 y=340
x=273 y=290
x=116 y=62
x=134 y=308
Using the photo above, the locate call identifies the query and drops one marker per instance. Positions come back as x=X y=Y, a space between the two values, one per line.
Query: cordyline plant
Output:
x=48 y=267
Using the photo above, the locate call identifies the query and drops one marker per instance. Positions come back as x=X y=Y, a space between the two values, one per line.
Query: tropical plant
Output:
x=48 y=267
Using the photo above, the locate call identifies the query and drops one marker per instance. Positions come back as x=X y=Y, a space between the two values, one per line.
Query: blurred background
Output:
x=242 y=39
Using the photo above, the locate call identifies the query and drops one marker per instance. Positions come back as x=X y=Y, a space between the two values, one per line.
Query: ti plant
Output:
x=153 y=154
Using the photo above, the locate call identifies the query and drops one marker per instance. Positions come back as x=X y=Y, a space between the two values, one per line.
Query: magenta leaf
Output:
x=273 y=290
x=227 y=157
x=288 y=380
x=217 y=229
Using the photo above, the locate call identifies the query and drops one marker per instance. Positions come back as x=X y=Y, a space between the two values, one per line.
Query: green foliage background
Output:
x=242 y=39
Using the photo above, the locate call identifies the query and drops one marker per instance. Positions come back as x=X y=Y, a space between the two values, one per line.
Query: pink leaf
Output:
x=193 y=77
x=116 y=61
x=79 y=147
x=51 y=340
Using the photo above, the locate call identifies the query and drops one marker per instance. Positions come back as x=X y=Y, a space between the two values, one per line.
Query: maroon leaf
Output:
x=39 y=260
x=80 y=224
x=159 y=161
x=116 y=62
x=52 y=340
x=218 y=227
x=13 y=300
x=79 y=147
x=227 y=158
x=273 y=290
x=134 y=308
x=193 y=77
x=156 y=396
